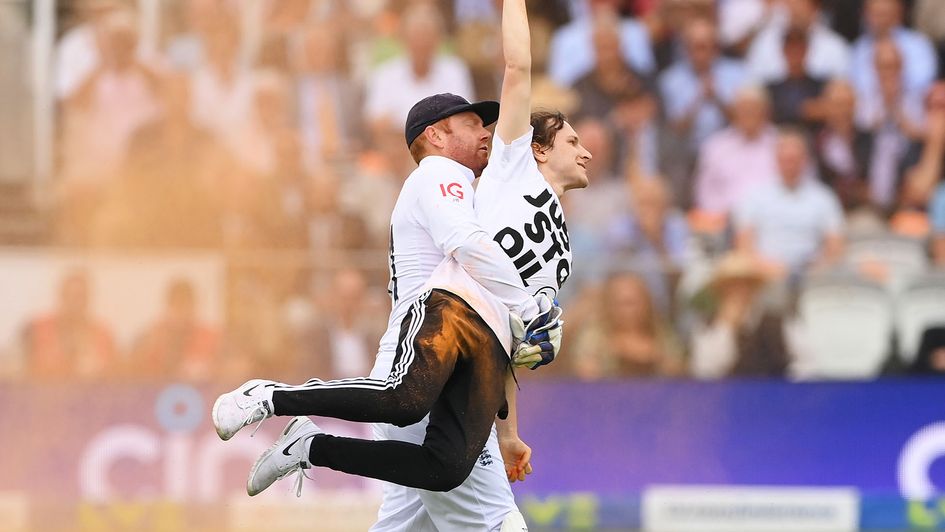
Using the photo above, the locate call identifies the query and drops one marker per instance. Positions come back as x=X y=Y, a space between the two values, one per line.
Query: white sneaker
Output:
x=245 y=405
x=288 y=455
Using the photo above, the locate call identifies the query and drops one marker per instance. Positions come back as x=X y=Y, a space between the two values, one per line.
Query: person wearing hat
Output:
x=742 y=337
x=447 y=348
x=536 y=158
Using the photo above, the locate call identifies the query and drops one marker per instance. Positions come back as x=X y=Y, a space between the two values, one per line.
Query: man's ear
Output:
x=541 y=154
x=434 y=136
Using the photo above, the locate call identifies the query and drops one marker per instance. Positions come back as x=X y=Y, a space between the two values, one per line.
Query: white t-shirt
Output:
x=516 y=205
x=432 y=220
x=394 y=87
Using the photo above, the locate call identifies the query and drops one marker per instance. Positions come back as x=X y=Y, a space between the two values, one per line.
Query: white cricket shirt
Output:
x=520 y=209
x=433 y=220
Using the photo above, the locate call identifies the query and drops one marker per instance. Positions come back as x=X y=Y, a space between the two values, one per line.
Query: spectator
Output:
x=327 y=106
x=826 y=56
x=739 y=158
x=69 y=343
x=842 y=148
x=741 y=338
x=222 y=87
x=572 y=52
x=610 y=78
x=928 y=16
x=627 y=337
x=169 y=184
x=930 y=170
x=696 y=91
x=884 y=20
x=186 y=49
x=178 y=345
x=77 y=52
x=895 y=117
x=795 y=221
x=283 y=26
x=740 y=22
x=397 y=84
x=340 y=341
x=636 y=118
x=589 y=212
x=100 y=116
x=651 y=235
x=795 y=96
x=668 y=20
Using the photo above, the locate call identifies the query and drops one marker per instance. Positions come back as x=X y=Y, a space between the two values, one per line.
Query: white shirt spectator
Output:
x=738 y=19
x=223 y=107
x=919 y=66
x=680 y=88
x=731 y=166
x=789 y=225
x=394 y=88
x=571 y=55
x=828 y=55
x=76 y=58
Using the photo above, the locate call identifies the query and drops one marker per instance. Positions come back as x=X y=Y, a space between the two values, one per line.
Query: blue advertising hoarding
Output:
x=620 y=437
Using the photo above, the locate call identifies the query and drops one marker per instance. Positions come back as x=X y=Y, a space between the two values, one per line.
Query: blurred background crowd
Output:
x=765 y=197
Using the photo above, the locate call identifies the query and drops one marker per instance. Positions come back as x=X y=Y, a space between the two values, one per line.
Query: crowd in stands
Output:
x=741 y=149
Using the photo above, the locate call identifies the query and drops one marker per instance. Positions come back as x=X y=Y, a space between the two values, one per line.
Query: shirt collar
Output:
x=439 y=160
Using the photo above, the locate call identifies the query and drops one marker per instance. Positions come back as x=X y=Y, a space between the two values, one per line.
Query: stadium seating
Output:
x=848 y=323
x=920 y=305
x=898 y=258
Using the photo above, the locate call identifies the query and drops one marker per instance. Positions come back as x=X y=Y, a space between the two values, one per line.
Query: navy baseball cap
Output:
x=434 y=108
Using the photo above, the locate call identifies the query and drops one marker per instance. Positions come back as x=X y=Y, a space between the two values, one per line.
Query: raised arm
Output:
x=515 y=110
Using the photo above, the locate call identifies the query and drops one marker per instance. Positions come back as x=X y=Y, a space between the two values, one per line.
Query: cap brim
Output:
x=488 y=111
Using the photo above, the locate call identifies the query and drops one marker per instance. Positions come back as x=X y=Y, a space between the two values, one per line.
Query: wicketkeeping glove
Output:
x=538 y=342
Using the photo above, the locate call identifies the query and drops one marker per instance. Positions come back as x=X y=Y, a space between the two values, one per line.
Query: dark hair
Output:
x=547 y=124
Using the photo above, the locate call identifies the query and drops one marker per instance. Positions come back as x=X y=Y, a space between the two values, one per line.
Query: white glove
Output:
x=538 y=342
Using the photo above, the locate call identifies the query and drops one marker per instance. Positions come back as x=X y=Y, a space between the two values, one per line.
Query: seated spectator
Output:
x=741 y=338
x=923 y=178
x=667 y=20
x=100 y=116
x=740 y=21
x=928 y=16
x=222 y=86
x=340 y=340
x=827 y=53
x=652 y=236
x=397 y=84
x=328 y=112
x=842 y=148
x=795 y=221
x=610 y=77
x=739 y=158
x=636 y=119
x=930 y=360
x=69 y=343
x=884 y=20
x=696 y=91
x=895 y=117
x=572 y=52
x=166 y=197
x=590 y=212
x=794 y=96
x=177 y=345
x=77 y=51
x=627 y=337
x=186 y=47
